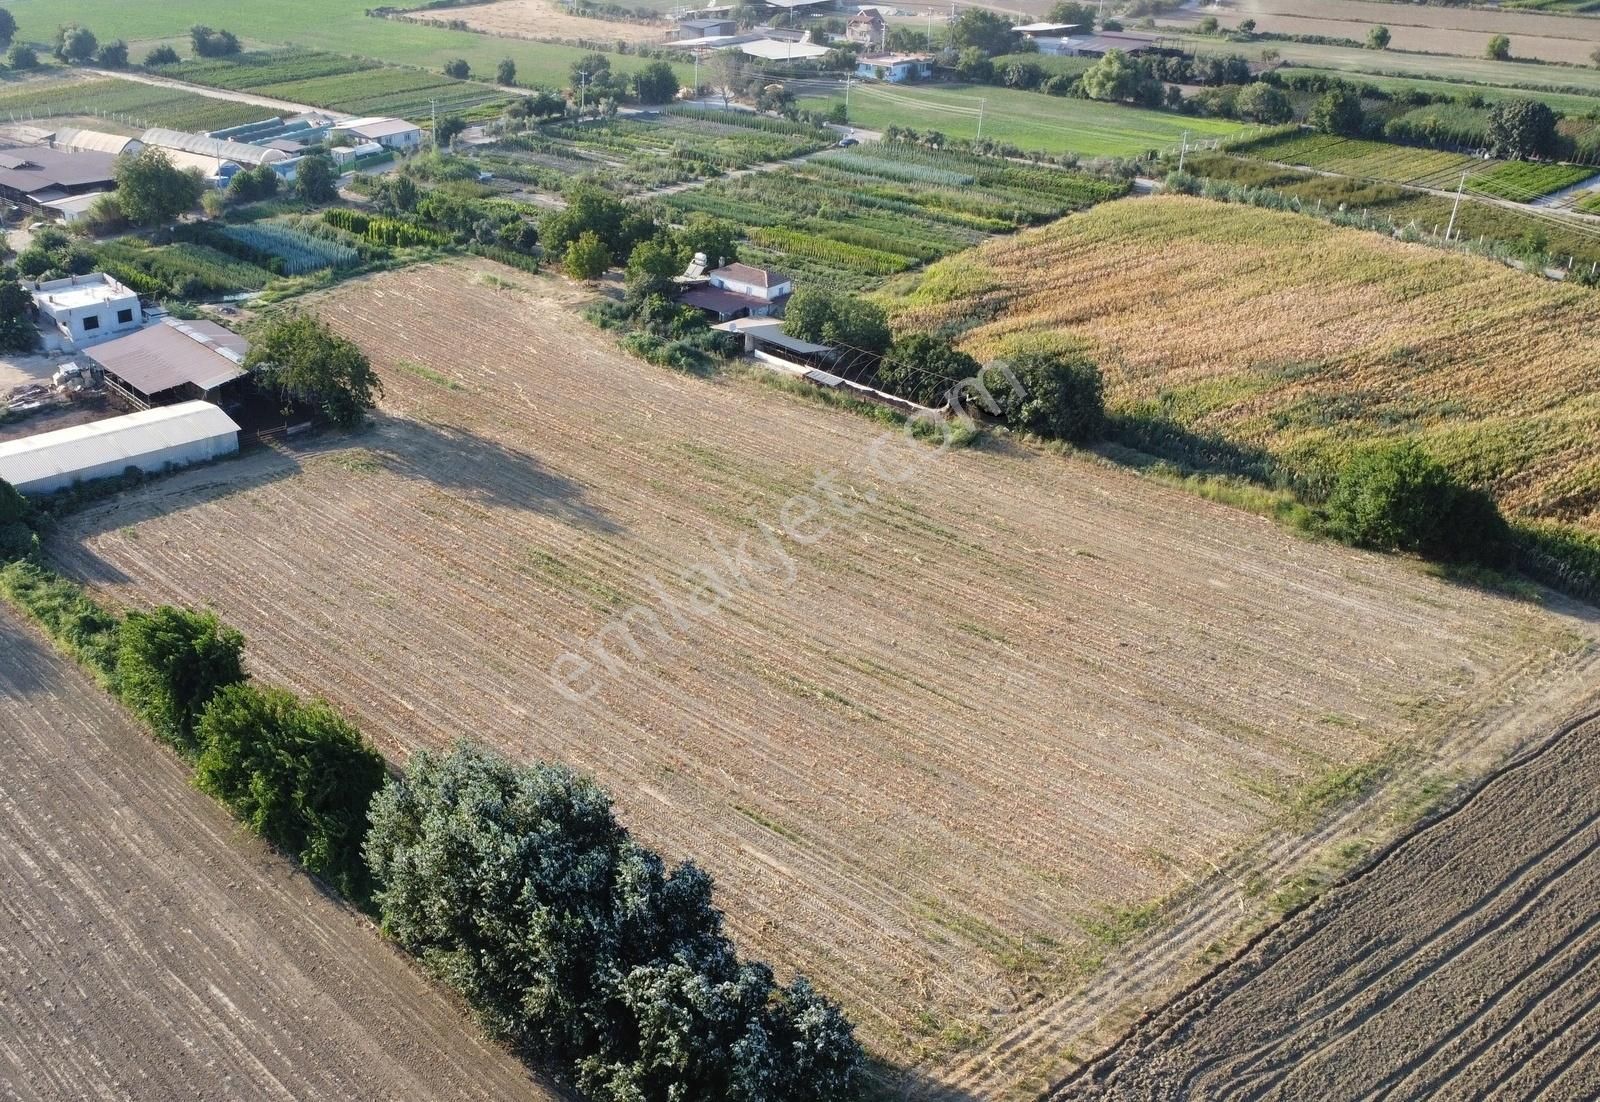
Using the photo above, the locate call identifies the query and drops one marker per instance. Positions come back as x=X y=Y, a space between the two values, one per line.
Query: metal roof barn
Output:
x=193 y=358
x=152 y=441
x=214 y=148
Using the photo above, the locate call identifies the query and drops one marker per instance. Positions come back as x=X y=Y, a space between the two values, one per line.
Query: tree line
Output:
x=515 y=884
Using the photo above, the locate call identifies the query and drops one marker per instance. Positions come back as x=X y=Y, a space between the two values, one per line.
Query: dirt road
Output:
x=150 y=949
x=1463 y=964
x=281 y=105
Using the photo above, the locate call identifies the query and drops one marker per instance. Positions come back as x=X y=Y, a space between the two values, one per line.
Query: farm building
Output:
x=1046 y=30
x=867 y=28
x=895 y=68
x=740 y=291
x=706 y=28
x=173 y=362
x=31 y=176
x=390 y=133
x=779 y=50
x=72 y=208
x=94 y=141
x=350 y=154
x=215 y=149
x=1098 y=45
x=767 y=335
x=152 y=441
x=84 y=309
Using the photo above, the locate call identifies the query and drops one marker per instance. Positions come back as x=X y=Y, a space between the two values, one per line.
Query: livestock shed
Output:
x=95 y=141
x=172 y=362
x=215 y=149
x=152 y=440
x=31 y=176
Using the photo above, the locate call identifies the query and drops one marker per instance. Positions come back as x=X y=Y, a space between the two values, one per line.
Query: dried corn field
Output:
x=1282 y=331
x=933 y=755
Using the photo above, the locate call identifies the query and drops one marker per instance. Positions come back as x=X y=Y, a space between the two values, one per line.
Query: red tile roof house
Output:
x=740 y=291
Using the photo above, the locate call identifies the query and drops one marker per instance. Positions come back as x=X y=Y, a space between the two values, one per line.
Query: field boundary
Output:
x=1463 y=799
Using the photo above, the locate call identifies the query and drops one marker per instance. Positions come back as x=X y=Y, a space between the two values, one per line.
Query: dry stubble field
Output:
x=545 y=19
x=1464 y=965
x=1000 y=706
x=149 y=949
x=1426 y=28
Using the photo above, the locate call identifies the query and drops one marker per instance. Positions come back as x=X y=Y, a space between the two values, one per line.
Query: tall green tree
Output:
x=1062 y=397
x=170 y=663
x=587 y=257
x=75 y=44
x=316 y=179
x=1499 y=48
x=1521 y=128
x=151 y=189
x=301 y=361
x=112 y=55
x=1395 y=497
x=506 y=72
x=846 y=322
x=1263 y=103
x=1338 y=112
x=1115 y=77
x=17 y=539
x=923 y=368
x=1378 y=38
x=296 y=773
x=984 y=30
x=17 y=331
x=457 y=68
x=8 y=27
x=656 y=83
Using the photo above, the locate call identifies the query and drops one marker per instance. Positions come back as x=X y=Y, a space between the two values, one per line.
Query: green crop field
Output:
x=1029 y=120
x=356 y=85
x=1524 y=182
x=848 y=218
x=1373 y=160
x=339 y=26
x=136 y=106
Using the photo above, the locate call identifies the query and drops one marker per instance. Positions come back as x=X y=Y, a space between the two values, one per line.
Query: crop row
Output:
x=246 y=72
x=139 y=104
x=1524 y=182
x=298 y=252
x=391 y=232
x=185 y=270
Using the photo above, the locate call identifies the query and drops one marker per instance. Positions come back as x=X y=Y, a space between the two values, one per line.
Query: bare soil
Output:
x=1426 y=28
x=1463 y=964
x=151 y=949
x=545 y=19
x=1000 y=706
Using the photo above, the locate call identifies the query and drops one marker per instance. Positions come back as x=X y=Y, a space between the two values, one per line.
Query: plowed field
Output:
x=151 y=950
x=934 y=755
x=1465 y=964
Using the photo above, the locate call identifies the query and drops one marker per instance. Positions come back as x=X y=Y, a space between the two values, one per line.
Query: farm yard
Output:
x=135 y=106
x=847 y=218
x=356 y=86
x=1436 y=29
x=151 y=946
x=913 y=775
x=1463 y=964
x=1491 y=371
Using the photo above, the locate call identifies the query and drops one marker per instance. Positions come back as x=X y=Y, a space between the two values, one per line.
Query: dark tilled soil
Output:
x=1464 y=964
x=149 y=949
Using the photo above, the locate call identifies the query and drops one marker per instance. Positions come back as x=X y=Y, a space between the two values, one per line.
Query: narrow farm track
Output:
x=925 y=754
x=149 y=949
x=1466 y=960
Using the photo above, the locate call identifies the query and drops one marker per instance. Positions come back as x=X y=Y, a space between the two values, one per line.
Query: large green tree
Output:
x=1520 y=129
x=1263 y=103
x=656 y=83
x=170 y=663
x=16 y=534
x=17 y=331
x=1115 y=77
x=296 y=773
x=1395 y=497
x=1062 y=397
x=317 y=179
x=8 y=27
x=844 y=321
x=923 y=368
x=984 y=30
x=151 y=189
x=1338 y=112
x=75 y=44
x=301 y=361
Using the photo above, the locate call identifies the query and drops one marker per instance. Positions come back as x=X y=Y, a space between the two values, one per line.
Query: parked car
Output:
x=845 y=143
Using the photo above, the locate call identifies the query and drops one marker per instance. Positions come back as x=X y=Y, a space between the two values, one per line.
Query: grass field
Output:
x=1496 y=373
x=1029 y=120
x=339 y=26
x=136 y=106
x=848 y=218
x=944 y=767
x=1522 y=182
x=1567 y=103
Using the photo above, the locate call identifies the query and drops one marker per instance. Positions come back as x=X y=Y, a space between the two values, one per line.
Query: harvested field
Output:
x=545 y=19
x=150 y=949
x=1333 y=337
x=1464 y=964
x=1415 y=27
x=942 y=765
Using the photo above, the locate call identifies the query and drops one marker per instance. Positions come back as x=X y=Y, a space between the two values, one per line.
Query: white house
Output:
x=740 y=291
x=151 y=440
x=390 y=133
x=895 y=68
x=87 y=308
x=867 y=28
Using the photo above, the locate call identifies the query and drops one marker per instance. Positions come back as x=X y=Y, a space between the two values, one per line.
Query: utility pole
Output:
x=697 y=72
x=1183 y=153
x=583 y=89
x=981 y=105
x=847 y=99
x=433 y=108
x=1461 y=187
